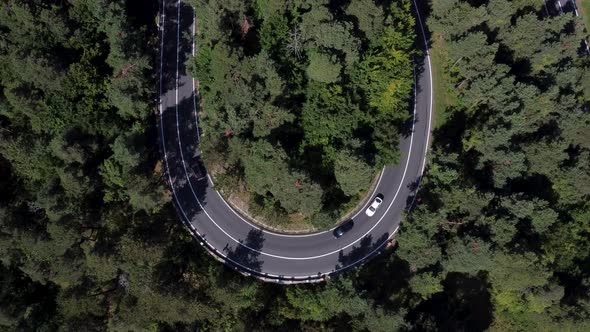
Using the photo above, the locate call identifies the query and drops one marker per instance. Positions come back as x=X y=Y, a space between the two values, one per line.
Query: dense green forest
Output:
x=505 y=217
x=89 y=241
x=302 y=101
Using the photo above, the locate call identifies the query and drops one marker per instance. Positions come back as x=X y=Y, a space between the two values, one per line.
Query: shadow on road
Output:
x=185 y=37
x=419 y=63
x=243 y=255
x=413 y=186
x=189 y=191
x=365 y=249
x=173 y=32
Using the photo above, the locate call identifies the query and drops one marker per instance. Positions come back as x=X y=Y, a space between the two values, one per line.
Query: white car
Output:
x=374 y=206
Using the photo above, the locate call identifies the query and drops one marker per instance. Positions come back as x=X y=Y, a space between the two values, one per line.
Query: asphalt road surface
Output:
x=556 y=7
x=235 y=241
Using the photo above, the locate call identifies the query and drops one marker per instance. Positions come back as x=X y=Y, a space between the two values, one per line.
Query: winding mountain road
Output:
x=235 y=241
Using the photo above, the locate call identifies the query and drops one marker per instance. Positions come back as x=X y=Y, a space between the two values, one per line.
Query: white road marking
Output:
x=577 y=14
x=297 y=235
x=190 y=185
x=195 y=90
x=431 y=87
x=186 y=219
x=546 y=10
x=231 y=208
x=575 y=11
x=221 y=196
x=288 y=257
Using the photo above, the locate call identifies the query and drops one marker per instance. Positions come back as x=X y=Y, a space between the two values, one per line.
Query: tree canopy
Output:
x=497 y=240
x=313 y=80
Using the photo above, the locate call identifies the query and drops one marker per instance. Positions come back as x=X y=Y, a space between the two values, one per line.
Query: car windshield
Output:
x=372 y=209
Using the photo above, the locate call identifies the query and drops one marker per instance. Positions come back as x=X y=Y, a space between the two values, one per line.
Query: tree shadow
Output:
x=419 y=69
x=155 y=229
x=178 y=130
x=197 y=190
x=174 y=56
x=85 y=320
x=243 y=255
x=464 y=305
x=422 y=37
x=188 y=131
x=536 y=185
x=181 y=259
x=385 y=267
x=552 y=7
x=187 y=16
x=406 y=127
x=448 y=136
x=184 y=167
x=423 y=11
x=167 y=56
x=413 y=186
x=365 y=249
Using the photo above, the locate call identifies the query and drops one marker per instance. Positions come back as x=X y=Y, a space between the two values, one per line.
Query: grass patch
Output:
x=584 y=11
x=444 y=94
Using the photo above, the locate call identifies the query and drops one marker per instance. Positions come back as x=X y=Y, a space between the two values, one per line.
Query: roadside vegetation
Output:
x=584 y=11
x=445 y=96
x=302 y=103
x=504 y=204
x=583 y=7
x=89 y=240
